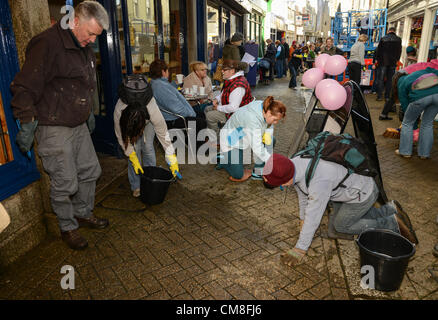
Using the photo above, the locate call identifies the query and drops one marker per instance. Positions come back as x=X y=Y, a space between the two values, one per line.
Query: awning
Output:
x=234 y=5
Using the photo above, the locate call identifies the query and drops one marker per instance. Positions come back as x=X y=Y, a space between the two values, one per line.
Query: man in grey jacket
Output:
x=352 y=202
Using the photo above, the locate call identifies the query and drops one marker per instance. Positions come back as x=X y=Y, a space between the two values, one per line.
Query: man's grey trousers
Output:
x=68 y=156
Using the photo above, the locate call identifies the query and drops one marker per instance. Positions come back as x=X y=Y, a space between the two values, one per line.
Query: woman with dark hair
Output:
x=171 y=102
x=249 y=128
x=136 y=121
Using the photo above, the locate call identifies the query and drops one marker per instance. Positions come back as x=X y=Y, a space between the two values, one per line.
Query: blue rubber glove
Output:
x=25 y=136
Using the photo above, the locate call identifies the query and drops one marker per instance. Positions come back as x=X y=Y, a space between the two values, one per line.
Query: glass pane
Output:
x=212 y=24
x=171 y=36
x=233 y=24
x=433 y=44
x=142 y=33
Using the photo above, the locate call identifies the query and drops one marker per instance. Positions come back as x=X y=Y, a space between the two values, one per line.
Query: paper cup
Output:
x=195 y=89
x=180 y=78
x=201 y=91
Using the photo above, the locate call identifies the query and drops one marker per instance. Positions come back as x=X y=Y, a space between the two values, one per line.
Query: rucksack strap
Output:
x=313 y=163
x=340 y=184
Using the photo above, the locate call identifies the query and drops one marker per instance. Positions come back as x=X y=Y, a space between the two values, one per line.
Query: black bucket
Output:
x=388 y=253
x=155 y=182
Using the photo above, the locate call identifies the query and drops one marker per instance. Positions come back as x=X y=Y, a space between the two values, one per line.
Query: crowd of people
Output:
x=61 y=121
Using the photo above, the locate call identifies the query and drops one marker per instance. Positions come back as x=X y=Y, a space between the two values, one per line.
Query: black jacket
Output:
x=271 y=51
x=286 y=50
x=57 y=81
x=389 y=50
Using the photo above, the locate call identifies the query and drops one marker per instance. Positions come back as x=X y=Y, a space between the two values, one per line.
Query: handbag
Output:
x=4 y=218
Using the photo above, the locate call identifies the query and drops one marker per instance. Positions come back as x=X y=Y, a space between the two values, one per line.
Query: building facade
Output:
x=417 y=24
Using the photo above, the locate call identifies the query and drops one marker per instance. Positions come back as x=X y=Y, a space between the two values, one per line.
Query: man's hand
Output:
x=25 y=136
x=173 y=165
x=91 y=123
x=135 y=163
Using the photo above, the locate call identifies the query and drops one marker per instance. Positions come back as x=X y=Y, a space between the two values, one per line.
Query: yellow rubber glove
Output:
x=135 y=163
x=267 y=139
x=173 y=165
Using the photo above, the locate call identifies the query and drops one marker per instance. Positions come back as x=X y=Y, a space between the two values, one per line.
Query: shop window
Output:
x=212 y=25
x=5 y=143
x=172 y=39
x=142 y=35
x=433 y=44
x=233 y=22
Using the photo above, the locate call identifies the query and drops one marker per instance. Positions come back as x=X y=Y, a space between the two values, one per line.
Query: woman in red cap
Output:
x=352 y=201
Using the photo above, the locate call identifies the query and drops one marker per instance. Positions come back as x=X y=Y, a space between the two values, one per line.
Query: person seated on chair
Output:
x=199 y=77
x=249 y=128
x=235 y=93
x=352 y=202
x=174 y=107
x=136 y=121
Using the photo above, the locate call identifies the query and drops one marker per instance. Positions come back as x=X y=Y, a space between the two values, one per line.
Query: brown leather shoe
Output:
x=74 y=240
x=93 y=222
x=405 y=232
x=405 y=218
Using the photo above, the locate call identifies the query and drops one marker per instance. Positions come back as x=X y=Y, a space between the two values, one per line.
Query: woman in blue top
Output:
x=171 y=102
x=250 y=128
x=418 y=94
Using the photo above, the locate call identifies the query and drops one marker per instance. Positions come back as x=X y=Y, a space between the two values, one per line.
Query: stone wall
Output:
x=27 y=208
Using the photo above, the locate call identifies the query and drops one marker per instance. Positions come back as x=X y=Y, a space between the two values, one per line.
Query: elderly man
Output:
x=52 y=98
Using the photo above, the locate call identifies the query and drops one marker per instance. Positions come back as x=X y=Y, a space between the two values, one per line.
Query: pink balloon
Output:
x=321 y=60
x=312 y=76
x=333 y=97
x=335 y=65
x=323 y=85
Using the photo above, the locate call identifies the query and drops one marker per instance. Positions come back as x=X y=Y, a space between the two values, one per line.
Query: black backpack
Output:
x=343 y=149
x=135 y=89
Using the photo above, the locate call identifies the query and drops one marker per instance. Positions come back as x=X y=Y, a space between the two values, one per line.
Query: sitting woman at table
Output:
x=199 y=77
x=170 y=101
x=249 y=128
x=235 y=93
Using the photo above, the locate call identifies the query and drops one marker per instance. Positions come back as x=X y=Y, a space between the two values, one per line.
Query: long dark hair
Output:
x=132 y=122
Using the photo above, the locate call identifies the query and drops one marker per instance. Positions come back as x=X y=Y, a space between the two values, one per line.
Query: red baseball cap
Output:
x=278 y=170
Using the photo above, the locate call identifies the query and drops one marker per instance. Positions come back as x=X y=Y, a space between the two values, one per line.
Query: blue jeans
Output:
x=353 y=218
x=279 y=64
x=144 y=148
x=429 y=107
x=389 y=73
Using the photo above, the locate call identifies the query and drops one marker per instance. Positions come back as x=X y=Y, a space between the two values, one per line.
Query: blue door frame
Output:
x=22 y=171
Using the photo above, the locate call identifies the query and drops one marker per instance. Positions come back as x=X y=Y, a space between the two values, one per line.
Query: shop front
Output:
x=417 y=25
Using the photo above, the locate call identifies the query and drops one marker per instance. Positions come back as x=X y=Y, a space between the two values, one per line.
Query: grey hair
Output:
x=93 y=9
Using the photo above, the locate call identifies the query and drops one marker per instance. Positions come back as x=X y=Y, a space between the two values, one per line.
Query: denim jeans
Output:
x=387 y=71
x=353 y=218
x=279 y=68
x=429 y=107
x=293 y=76
x=144 y=148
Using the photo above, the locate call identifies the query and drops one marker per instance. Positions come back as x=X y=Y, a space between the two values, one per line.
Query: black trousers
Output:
x=354 y=69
